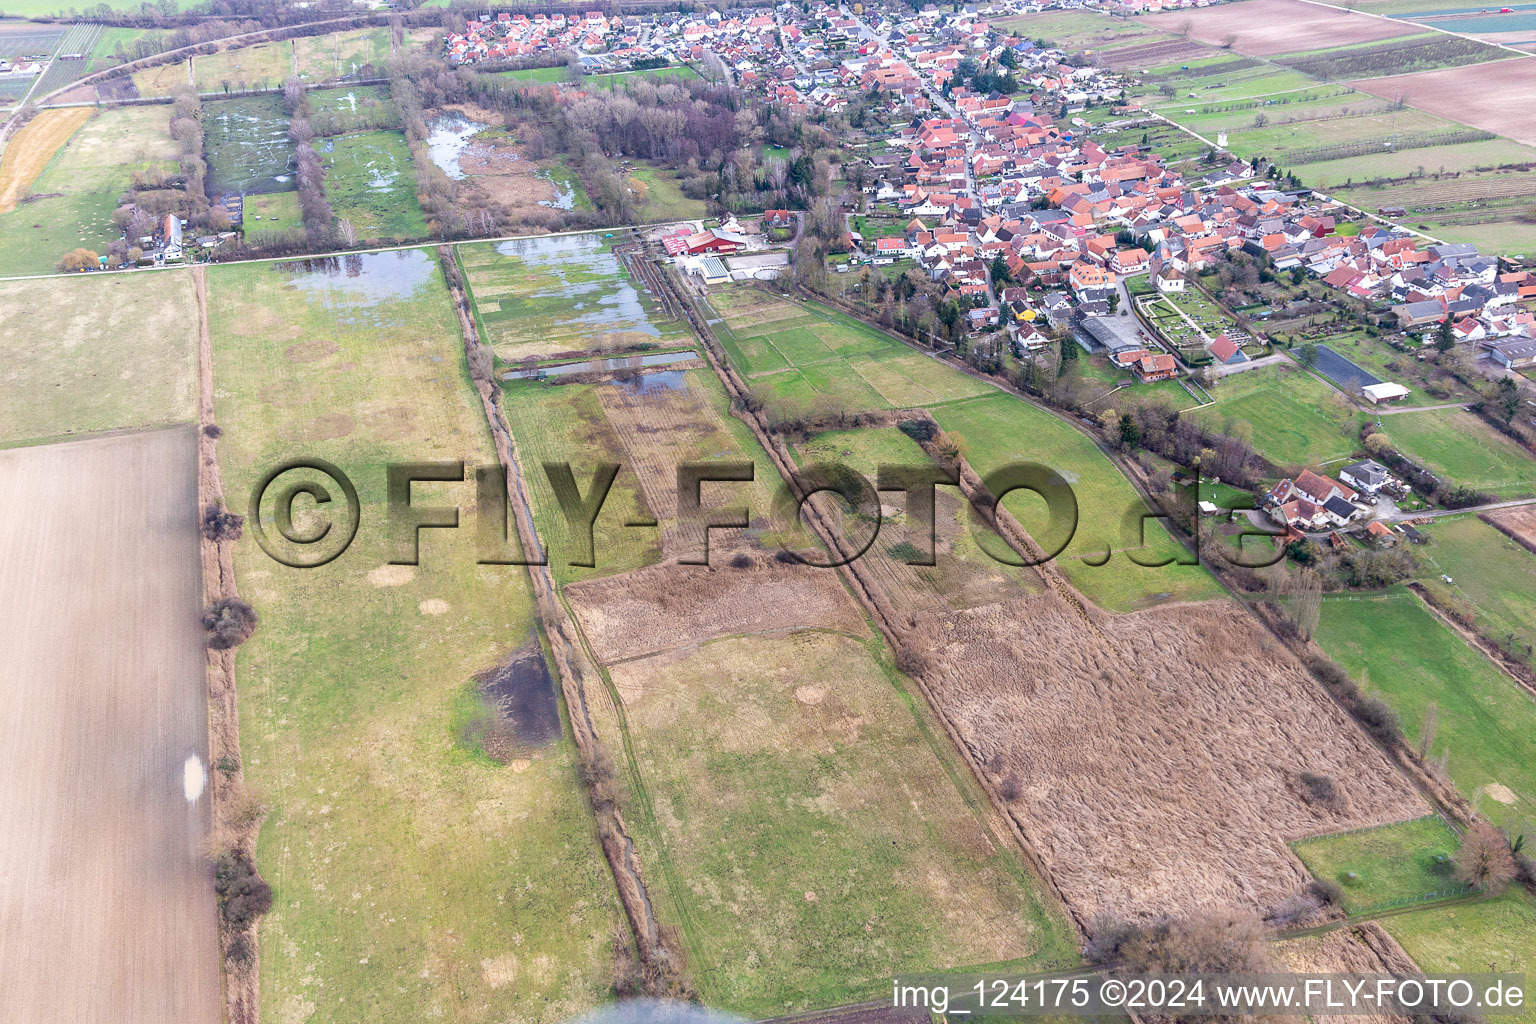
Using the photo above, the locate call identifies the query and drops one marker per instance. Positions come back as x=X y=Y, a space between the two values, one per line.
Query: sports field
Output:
x=1395 y=647
x=808 y=354
x=73 y=357
x=415 y=876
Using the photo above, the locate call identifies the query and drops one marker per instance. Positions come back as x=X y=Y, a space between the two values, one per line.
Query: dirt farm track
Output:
x=106 y=904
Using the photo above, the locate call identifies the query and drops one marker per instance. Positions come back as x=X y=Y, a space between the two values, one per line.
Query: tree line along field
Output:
x=414 y=875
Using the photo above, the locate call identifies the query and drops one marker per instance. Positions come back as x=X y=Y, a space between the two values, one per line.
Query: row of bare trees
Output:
x=309 y=170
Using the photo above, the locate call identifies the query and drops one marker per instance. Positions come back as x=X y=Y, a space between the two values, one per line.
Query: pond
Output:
x=369 y=288
x=447 y=135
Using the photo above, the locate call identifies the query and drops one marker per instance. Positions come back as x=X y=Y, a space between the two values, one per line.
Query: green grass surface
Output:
x=817 y=860
x=1382 y=866
x=371 y=183
x=1000 y=430
x=1291 y=417
x=1487 y=723
x=1493 y=576
x=660 y=197
x=413 y=879
x=1457 y=445
x=829 y=357
x=73 y=357
x=1488 y=935
x=547 y=76
x=272 y=213
x=617 y=80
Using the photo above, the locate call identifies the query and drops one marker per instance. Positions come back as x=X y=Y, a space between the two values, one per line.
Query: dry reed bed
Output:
x=1153 y=761
x=668 y=606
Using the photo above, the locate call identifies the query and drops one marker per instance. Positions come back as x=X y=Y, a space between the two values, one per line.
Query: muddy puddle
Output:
x=517 y=709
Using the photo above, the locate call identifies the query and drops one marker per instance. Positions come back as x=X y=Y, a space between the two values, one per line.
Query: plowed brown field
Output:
x=106 y=904
x=1498 y=97
x=1262 y=28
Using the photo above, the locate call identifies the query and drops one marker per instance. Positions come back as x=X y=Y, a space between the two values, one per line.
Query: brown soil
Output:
x=662 y=607
x=1498 y=97
x=1518 y=524
x=1157 y=753
x=1262 y=28
x=106 y=905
